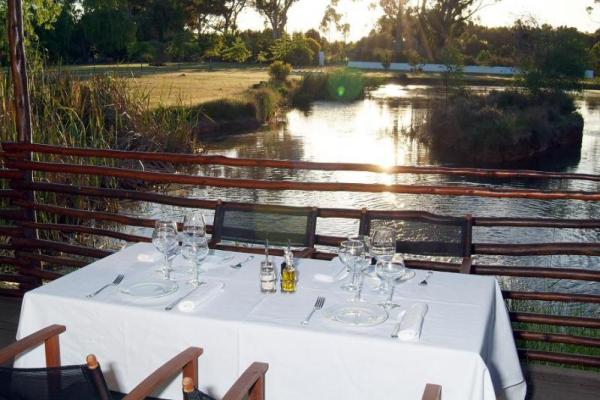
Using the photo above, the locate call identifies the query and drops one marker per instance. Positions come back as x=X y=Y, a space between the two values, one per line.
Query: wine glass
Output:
x=383 y=248
x=389 y=271
x=350 y=254
x=164 y=238
x=194 y=221
x=365 y=261
x=197 y=250
x=193 y=225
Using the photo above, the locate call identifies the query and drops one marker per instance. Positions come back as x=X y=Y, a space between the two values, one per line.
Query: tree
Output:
x=204 y=16
x=36 y=13
x=594 y=56
x=332 y=17
x=276 y=12
x=236 y=52
x=231 y=12
x=66 y=29
x=395 y=11
x=556 y=59
x=441 y=21
x=454 y=62
x=110 y=31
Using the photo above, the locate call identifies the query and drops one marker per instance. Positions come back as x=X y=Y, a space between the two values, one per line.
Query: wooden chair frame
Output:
x=310 y=212
x=432 y=392
x=251 y=382
x=47 y=336
x=466 y=223
x=250 y=385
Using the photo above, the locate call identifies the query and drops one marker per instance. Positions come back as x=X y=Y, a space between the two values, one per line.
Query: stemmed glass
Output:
x=350 y=254
x=365 y=261
x=389 y=271
x=196 y=246
x=383 y=248
x=194 y=222
x=193 y=225
x=164 y=238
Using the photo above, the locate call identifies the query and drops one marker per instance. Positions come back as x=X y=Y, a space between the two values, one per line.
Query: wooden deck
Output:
x=545 y=383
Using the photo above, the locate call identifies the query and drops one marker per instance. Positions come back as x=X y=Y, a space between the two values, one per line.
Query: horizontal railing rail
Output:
x=38 y=258
x=169 y=178
x=196 y=159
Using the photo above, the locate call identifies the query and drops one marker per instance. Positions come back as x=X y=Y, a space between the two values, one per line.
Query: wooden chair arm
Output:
x=47 y=336
x=251 y=383
x=187 y=361
x=432 y=392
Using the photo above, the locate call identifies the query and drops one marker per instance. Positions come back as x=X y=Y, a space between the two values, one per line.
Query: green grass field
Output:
x=194 y=83
x=182 y=84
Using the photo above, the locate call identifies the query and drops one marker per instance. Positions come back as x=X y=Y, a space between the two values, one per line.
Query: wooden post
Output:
x=18 y=66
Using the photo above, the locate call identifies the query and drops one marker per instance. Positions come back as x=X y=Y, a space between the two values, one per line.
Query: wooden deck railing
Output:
x=62 y=170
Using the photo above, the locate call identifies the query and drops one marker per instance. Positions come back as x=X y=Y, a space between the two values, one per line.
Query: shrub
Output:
x=345 y=85
x=313 y=86
x=555 y=59
x=227 y=109
x=501 y=126
x=340 y=85
x=236 y=52
x=279 y=71
x=299 y=55
x=266 y=101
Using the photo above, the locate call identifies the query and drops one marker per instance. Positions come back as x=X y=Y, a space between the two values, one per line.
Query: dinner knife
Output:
x=173 y=304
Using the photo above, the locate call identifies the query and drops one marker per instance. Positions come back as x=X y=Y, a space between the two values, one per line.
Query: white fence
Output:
x=433 y=68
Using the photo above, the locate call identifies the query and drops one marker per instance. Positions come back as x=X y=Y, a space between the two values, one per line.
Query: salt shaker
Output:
x=268 y=274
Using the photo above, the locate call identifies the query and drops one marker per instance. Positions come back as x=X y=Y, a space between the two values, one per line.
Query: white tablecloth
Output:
x=466 y=343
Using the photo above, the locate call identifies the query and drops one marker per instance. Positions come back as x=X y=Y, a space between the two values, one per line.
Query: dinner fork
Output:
x=117 y=280
x=318 y=305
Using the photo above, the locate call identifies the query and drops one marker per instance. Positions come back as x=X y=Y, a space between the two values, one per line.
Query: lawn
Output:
x=184 y=84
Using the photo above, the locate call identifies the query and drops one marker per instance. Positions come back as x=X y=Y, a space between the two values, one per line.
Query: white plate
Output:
x=151 y=289
x=357 y=314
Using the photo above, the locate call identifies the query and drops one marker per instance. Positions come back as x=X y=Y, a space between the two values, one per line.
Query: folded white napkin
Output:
x=150 y=257
x=338 y=272
x=410 y=327
x=203 y=294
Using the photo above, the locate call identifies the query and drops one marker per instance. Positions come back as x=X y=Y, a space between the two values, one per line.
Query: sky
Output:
x=306 y=14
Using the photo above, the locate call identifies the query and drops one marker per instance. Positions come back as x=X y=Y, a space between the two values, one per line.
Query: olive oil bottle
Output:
x=288 y=272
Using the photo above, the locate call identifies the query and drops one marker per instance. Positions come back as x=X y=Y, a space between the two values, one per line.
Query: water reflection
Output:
x=373 y=131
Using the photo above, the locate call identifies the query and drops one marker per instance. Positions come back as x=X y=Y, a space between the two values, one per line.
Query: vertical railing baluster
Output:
x=18 y=64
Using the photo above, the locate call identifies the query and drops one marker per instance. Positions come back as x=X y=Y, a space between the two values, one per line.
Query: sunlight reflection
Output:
x=361 y=134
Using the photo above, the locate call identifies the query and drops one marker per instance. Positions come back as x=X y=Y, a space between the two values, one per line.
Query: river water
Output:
x=373 y=131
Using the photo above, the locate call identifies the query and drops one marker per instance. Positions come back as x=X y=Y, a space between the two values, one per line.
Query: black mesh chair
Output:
x=424 y=233
x=76 y=382
x=254 y=224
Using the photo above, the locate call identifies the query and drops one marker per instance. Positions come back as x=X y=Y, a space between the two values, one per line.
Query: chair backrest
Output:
x=423 y=233
x=253 y=223
x=59 y=383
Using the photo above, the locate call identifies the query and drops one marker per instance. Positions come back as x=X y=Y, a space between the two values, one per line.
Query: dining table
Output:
x=465 y=343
